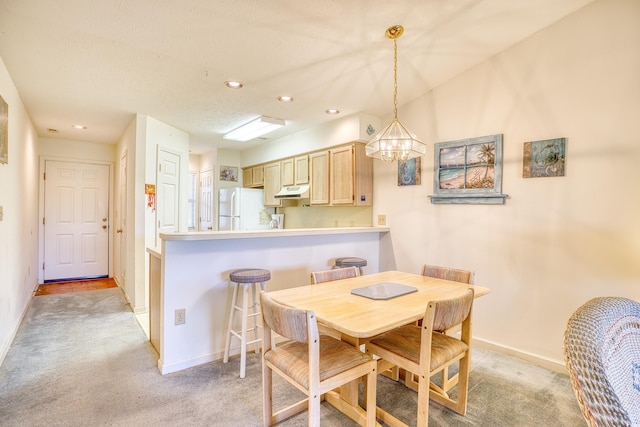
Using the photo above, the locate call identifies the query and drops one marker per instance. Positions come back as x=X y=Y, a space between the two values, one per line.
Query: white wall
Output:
x=557 y=242
x=19 y=225
x=140 y=141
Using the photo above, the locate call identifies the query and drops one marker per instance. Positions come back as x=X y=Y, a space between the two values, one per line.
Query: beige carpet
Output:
x=81 y=359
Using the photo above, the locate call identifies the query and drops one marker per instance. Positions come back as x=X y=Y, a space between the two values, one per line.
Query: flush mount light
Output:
x=395 y=142
x=255 y=128
x=231 y=84
x=332 y=111
x=79 y=127
x=285 y=98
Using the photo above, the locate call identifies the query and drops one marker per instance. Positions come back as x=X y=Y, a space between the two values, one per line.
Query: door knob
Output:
x=119 y=230
x=104 y=227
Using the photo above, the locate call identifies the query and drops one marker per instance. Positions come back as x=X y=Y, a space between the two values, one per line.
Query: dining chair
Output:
x=334 y=274
x=448 y=273
x=602 y=353
x=423 y=350
x=315 y=364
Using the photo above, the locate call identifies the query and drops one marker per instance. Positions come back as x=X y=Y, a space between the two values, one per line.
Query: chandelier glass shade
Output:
x=395 y=142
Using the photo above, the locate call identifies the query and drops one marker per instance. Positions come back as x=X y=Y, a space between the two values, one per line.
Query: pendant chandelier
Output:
x=395 y=142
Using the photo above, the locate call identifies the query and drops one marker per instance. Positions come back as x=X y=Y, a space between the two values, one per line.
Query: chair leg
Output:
x=267 y=389
x=370 y=396
x=314 y=409
x=227 y=345
x=255 y=311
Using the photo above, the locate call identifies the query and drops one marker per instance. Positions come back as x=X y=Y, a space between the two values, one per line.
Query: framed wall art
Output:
x=228 y=173
x=409 y=172
x=544 y=158
x=468 y=171
x=4 y=131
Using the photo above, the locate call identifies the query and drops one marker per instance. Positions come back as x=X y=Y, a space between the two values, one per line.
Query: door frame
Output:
x=41 y=201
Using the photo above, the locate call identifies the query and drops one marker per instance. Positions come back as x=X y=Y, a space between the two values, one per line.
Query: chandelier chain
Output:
x=395 y=79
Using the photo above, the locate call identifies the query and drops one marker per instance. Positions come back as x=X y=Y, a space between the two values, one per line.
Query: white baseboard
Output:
x=544 y=362
x=7 y=345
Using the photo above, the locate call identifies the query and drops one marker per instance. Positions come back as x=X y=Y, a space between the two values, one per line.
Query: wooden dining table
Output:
x=357 y=318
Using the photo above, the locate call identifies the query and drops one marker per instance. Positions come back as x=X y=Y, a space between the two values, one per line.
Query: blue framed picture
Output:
x=409 y=172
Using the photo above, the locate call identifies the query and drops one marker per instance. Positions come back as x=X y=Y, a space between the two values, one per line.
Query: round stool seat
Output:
x=250 y=275
x=351 y=262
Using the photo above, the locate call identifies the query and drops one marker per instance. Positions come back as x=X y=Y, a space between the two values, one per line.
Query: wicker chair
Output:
x=602 y=352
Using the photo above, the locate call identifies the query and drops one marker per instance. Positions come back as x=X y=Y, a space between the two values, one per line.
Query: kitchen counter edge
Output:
x=251 y=234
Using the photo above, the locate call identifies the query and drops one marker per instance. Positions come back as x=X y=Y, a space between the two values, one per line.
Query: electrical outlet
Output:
x=180 y=316
x=382 y=220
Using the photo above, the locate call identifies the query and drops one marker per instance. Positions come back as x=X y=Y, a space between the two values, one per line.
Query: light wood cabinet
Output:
x=247 y=177
x=286 y=172
x=258 y=176
x=301 y=170
x=351 y=181
x=319 y=178
x=272 y=184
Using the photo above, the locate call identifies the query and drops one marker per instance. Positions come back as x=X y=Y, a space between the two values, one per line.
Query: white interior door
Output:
x=76 y=222
x=206 y=200
x=168 y=192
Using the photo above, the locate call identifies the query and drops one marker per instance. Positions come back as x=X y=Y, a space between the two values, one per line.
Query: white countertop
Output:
x=252 y=234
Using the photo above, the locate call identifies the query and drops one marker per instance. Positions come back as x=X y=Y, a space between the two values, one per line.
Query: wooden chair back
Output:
x=448 y=273
x=334 y=274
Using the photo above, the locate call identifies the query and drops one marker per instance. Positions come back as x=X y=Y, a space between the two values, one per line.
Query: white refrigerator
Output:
x=241 y=209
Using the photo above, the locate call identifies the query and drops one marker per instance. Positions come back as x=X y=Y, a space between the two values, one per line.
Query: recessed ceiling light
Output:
x=233 y=84
x=333 y=111
x=52 y=130
x=79 y=127
x=285 y=98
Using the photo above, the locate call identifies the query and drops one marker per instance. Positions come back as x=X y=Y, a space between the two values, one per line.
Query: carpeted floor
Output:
x=81 y=359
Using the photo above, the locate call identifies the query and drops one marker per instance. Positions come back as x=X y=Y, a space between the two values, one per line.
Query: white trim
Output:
x=543 y=362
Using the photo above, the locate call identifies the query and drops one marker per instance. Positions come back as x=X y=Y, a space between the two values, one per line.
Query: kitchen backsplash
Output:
x=327 y=217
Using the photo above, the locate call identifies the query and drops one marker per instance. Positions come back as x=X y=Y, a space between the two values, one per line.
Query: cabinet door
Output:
x=247 y=177
x=319 y=176
x=302 y=169
x=342 y=175
x=258 y=176
x=271 y=184
x=287 y=172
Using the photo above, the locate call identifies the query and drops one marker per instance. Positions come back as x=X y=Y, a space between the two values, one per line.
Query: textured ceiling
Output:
x=97 y=63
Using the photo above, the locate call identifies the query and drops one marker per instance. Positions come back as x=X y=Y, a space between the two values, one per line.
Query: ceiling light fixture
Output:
x=79 y=127
x=395 y=142
x=285 y=98
x=255 y=128
x=233 y=84
x=332 y=111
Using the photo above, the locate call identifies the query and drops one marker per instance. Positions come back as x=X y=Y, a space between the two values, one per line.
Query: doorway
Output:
x=76 y=220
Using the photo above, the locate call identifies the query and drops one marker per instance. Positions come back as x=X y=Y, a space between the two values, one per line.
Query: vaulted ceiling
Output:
x=97 y=63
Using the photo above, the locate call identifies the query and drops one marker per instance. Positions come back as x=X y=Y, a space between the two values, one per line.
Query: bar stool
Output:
x=252 y=281
x=351 y=262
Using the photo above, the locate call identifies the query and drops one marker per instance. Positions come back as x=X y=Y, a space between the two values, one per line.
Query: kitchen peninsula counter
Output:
x=192 y=273
x=251 y=234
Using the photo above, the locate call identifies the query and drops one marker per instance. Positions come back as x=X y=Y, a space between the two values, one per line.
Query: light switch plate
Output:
x=1 y=213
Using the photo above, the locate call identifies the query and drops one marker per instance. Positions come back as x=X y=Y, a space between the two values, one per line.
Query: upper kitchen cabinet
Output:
x=301 y=170
x=319 y=178
x=253 y=176
x=247 y=177
x=286 y=172
x=272 y=184
x=351 y=176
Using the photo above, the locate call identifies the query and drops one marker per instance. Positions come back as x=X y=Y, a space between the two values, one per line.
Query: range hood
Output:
x=293 y=192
